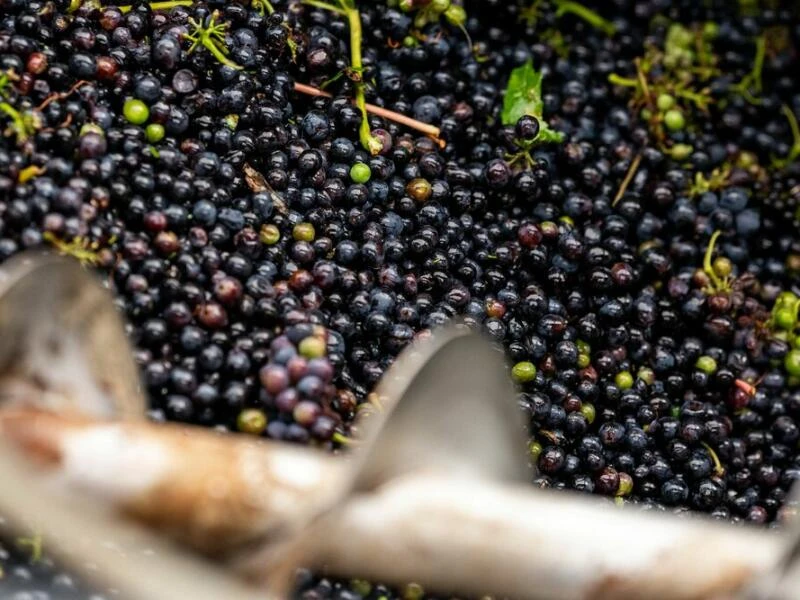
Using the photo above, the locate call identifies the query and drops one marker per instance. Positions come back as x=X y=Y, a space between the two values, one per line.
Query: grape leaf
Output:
x=524 y=97
x=523 y=94
x=548 y=135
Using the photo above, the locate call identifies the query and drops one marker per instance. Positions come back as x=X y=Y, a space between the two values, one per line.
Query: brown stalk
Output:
x=431 y=131
x=748 y=389
x=628 y=178
x=62 y=95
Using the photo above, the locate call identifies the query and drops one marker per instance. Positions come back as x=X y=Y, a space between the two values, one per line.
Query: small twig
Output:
x=643 y=81
x=745 y=387
x=62 y=95
x=588 y=15
x=719 y=284
x=753 y=79
x=719 y=470
x=258 y=184
x=616 y=79
x=628 y=178
x=30 y=172
x=342 y=439
x=794 y=151
x=430 y=130
x=6 y=78
x=701 y=99
x=79 y=247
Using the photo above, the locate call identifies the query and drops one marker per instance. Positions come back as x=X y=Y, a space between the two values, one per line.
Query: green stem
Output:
x=707 y=266
x=758 y=63
x=326 y=6
x=753 y=79
x=794 y=152
x=719 y=470
x=699 y=100
x=466 y=35
x=10 y=111
x=264 y=5
x=531 y=13
x=333 y=79
x=17 y=126
x=369 y=141
x=349 y=10
x=341 y=439
x=587 y=14
x=623 y=81
x=166 y=5
x=218 y=54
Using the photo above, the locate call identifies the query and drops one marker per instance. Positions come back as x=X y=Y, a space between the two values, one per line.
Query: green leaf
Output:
x=548 y=135
x=524 y=97
x=523 y=94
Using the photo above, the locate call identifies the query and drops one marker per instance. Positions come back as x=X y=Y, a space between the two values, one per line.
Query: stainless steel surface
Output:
x=109 y=552
x=61 y=333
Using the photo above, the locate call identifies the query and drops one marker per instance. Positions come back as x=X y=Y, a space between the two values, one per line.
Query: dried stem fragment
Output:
x=628 y=178
x=431 y=131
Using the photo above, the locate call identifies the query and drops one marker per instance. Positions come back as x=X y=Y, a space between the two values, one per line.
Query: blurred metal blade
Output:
x=450 y=408
x=63 y=340
x=96 y=544
x=212 y=492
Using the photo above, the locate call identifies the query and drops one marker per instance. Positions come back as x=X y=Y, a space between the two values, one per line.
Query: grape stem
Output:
x=794 y=151
x=60 y=96
x=639 y=84
x=325 y=6
x=716 y=283
x=166 y=5
x=212 y=38
x=719 y=470
x=628 y=178
x=347 y=9
x=264 y=7
x=6 y=78
x=616 y=79
x=753 y=79
x=588 y=15
x=429 y=130
x=22 y=126
x=342 y=439
x=79 y=247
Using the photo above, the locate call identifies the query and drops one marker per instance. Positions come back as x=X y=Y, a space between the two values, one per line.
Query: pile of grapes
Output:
x=283 y=194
